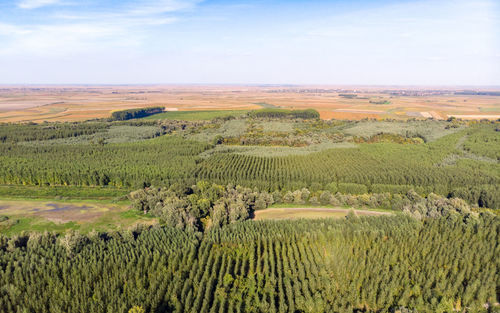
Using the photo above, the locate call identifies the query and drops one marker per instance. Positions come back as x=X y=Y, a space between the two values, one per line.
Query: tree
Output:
x=238 y=211
x=220 y=215
x=325 y=197
x=288 y=197
x=277 y=197
x=73 y=241
x=305 y=194
x=136 y=309
x=297 y=197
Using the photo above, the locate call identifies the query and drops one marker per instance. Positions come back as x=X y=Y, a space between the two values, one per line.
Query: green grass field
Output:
x=196 y=115
x=62 y=192
x=277 y=151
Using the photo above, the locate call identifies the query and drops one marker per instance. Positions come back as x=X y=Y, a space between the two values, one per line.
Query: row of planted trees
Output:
x=358 y=264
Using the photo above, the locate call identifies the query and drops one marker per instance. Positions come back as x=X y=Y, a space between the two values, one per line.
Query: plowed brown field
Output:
x=74 y=103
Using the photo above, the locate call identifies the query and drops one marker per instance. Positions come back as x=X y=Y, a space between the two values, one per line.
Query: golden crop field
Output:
x=76 y=103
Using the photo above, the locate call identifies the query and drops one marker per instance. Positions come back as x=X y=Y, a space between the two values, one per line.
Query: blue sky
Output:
x=429 y=42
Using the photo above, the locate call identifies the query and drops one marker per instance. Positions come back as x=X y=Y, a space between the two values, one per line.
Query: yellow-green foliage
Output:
x=430 y=130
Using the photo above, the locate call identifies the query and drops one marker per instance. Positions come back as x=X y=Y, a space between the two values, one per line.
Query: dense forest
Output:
x=135 y=113
x=381 y=264
x=126 y=164
x=200 y=183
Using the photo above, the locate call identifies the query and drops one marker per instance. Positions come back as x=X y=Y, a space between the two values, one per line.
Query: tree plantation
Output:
x=451 y=165
x=159 y=214
x=360 y=264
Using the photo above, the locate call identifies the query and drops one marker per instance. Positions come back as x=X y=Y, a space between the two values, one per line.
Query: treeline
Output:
x=15 y=132
x=348 y=95
x=206 y=205
x=160 y=161
x=477 y=93
x=388 y=137
x=135 y=113
x=284 y=113
x=200 y=206
x=358 y=264
x=12 y=133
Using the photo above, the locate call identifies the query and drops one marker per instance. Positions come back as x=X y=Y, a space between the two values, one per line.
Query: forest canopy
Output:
x=356 y=264
x=193 y=188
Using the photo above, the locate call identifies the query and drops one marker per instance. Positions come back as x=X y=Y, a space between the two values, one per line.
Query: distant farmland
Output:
x=76 y=103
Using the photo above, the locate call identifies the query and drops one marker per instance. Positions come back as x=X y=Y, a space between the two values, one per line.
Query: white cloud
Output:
x=12 y=30
x=64 y=32
x=34 y=4
x=161 y=6
x=411 y=42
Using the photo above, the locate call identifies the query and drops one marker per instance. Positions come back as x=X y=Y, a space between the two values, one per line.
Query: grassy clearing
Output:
x=231 y=128
x=17 y=225
x=278 y=151
x=277 y=126
x=38 y=216
x=430 y=130
x=295 y=212
x=119 y=134
x=196 y=115
x=62 y=192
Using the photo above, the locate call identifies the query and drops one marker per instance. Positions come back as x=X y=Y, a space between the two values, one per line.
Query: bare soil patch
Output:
x=59 y=212
x=294 y=213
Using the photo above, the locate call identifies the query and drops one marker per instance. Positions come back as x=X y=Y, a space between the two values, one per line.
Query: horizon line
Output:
x=243 y=85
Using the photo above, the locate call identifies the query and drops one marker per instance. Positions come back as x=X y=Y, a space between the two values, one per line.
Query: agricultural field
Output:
x=78 y=103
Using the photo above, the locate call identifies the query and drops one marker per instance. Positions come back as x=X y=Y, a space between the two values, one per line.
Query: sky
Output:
x=356 y=42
